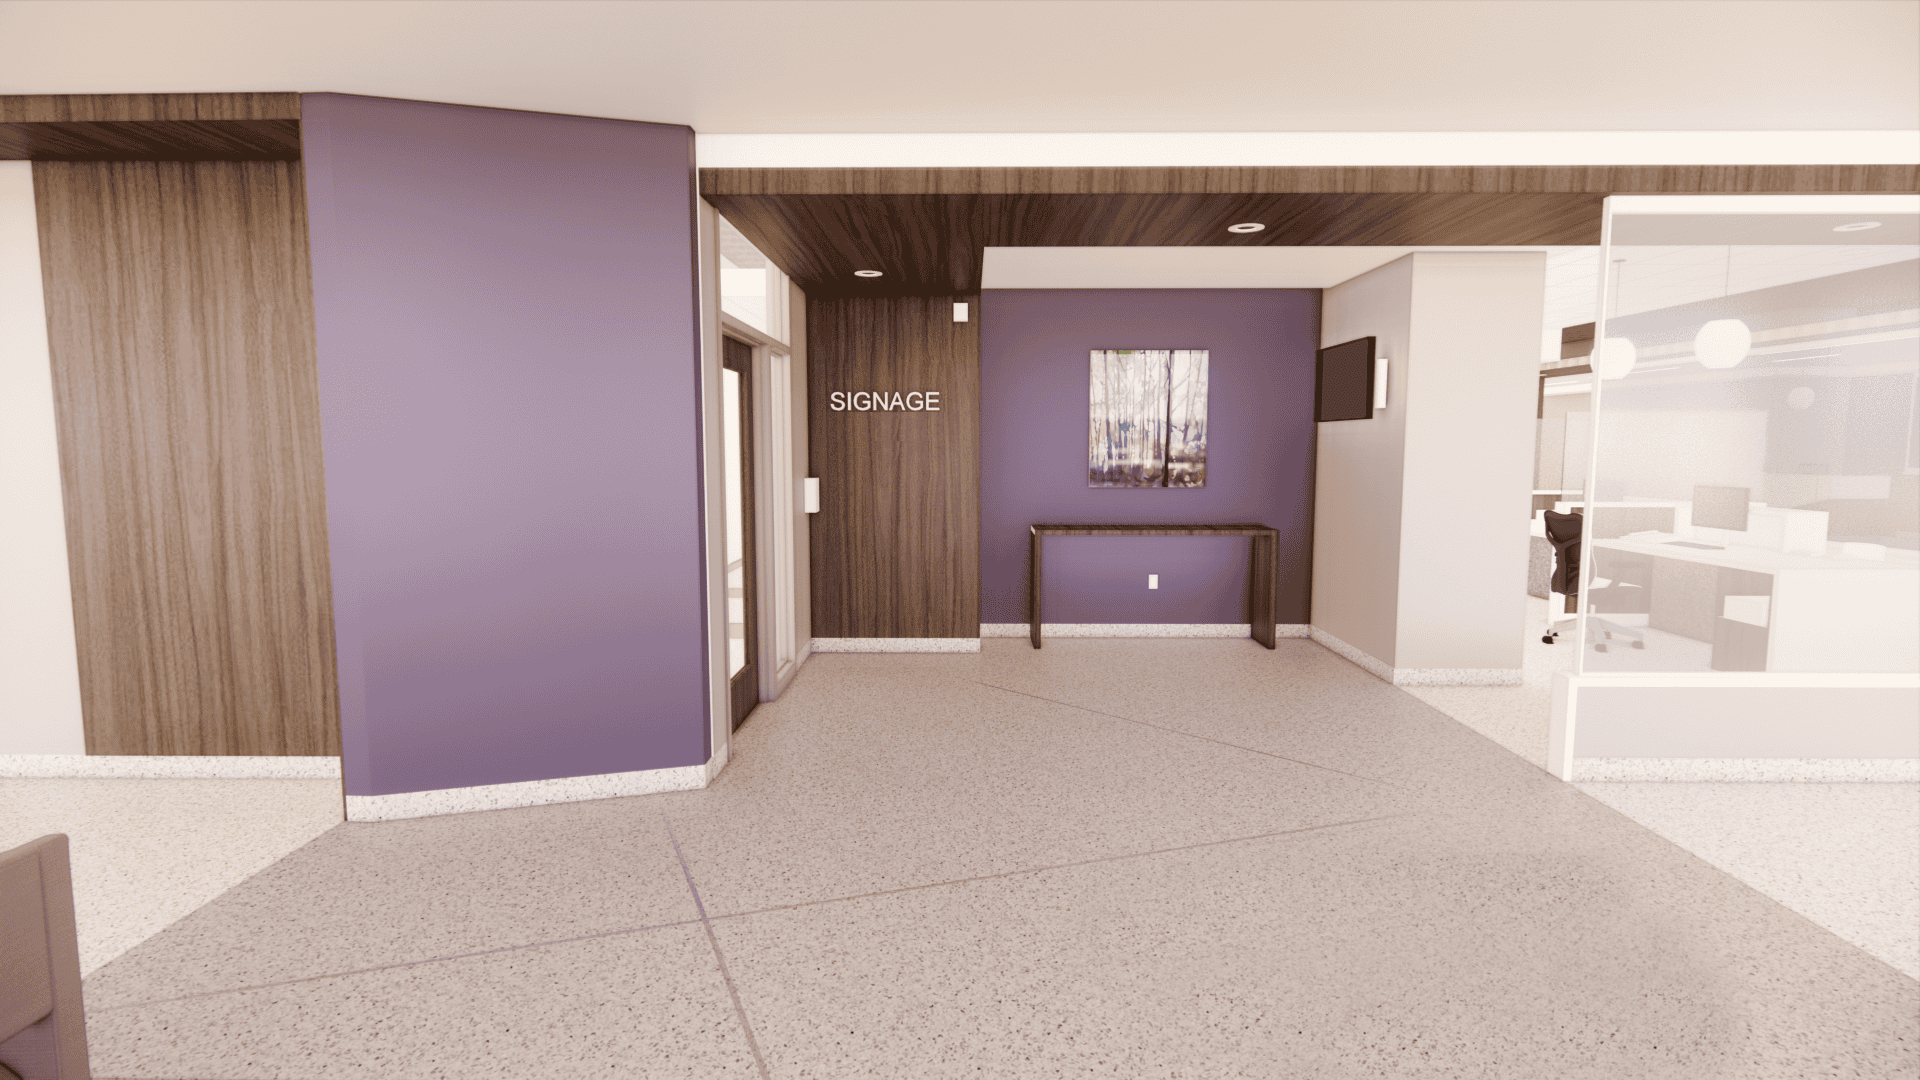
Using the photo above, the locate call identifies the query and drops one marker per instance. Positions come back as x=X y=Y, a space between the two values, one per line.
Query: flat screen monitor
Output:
x=1343 y=381
x=1720 y=507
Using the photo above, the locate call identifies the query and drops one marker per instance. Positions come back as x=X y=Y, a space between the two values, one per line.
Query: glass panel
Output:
x=744 y=274
x=736 y=516
x=1754 y=500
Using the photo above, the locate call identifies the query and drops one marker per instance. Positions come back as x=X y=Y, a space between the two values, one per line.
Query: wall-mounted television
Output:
x=1343 y=381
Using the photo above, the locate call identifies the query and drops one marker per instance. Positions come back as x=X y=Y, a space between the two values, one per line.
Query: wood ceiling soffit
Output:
x=933 y=244
x=1572 y=179
x=150 y=127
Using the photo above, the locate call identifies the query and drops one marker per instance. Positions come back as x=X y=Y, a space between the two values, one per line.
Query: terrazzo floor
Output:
x=1104 y=858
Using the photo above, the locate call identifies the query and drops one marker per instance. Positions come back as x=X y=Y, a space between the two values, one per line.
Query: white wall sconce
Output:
x=1722 y=343
x=810 y=494
x=1614 y=358
x=1380 y=368
x=959 y=313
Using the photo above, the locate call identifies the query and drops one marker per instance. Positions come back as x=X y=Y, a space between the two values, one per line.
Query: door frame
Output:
x=775 y=505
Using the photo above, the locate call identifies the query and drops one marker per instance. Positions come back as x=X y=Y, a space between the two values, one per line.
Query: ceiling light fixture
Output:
x=866 y=273
x=1857 y=226
x=1246 y=227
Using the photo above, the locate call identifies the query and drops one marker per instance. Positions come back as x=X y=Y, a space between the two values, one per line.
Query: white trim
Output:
x=169 y=767
x=1747 y=770
x=467 y=800
x=1303 y=148
x=896 y=645
x=1766 y=204
x=1366 y=661
x=1387 y=673
x=713 y=486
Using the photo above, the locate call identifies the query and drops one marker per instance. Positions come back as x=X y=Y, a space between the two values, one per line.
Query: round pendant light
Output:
x=1246 y=227
x=1614 y=357
x=1722 y=343
x=866 y=273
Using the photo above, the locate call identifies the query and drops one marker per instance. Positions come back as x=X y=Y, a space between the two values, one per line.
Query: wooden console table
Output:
x=1261 y=577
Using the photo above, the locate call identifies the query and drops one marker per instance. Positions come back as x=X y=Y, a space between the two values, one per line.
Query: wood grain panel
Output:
x=896 y=544
x=933 y=244
x=150 y=127
x=53 y=108
x=181 y=317
x=1568 y=179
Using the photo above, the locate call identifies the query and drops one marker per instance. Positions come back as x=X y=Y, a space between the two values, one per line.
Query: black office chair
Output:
x=1563 y=532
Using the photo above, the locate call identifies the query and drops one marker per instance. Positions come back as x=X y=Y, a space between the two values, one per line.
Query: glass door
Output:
x=743 y=669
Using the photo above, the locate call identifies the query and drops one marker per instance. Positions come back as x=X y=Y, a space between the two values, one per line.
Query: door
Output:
x=736 y=433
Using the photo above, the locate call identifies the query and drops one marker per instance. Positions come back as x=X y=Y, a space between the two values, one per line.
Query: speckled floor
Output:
x=1104 y=858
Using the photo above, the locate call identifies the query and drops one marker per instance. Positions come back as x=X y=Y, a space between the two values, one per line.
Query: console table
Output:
x=1261 y=577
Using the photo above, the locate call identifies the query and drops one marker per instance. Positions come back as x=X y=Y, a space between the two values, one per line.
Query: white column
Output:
x=39 y=665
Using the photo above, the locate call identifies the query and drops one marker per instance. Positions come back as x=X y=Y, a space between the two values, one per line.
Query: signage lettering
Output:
x=884 y=401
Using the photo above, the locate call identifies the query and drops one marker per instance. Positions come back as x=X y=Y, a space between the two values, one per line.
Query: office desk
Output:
x=1827 y=612
x=1261 y=578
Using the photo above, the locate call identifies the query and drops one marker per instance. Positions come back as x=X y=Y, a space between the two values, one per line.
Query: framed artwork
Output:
x=1147 y=418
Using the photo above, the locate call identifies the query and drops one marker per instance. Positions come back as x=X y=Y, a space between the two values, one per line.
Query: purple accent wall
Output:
x=1034 y=346
x=507 y=315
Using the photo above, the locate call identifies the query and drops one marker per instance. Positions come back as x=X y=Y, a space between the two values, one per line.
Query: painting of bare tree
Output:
x=1147 y=418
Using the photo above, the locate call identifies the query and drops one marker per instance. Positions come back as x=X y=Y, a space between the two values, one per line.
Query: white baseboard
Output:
x=896 y=645
x=1746 y=770
x=1139 y=630
x=413 y=804
x=1385 y=672
x=168 y=767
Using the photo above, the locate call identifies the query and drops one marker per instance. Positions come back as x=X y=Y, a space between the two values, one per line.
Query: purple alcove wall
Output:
x=1034 y=346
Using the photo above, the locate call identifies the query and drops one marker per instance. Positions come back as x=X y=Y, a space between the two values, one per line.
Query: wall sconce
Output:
x=810 y=494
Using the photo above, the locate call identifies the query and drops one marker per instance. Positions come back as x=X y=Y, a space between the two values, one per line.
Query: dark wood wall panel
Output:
x=150 y=127
x=896 y=545
x=1222 y=180
x=180 y=309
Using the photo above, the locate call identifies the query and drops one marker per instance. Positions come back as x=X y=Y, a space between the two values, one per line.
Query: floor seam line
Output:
x=386 y=967
x=739 y=1009
x=1190 y=735
x=1067 y=865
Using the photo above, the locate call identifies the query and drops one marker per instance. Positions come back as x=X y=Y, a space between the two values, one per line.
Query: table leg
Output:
x=1033 y=588
x=1260 y=582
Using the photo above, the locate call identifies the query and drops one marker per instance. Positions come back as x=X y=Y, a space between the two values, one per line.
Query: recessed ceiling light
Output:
x=1245 y=227
x=866 y=273
x=1858 y=226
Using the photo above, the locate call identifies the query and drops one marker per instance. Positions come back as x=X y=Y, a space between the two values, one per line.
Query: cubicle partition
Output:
x=1751 y=484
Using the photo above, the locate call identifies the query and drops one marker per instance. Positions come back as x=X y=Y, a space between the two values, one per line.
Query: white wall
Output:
x=1359 y=472
x=39 y=667
x=1469 y=396
x=1420 y=514
x=719 y=719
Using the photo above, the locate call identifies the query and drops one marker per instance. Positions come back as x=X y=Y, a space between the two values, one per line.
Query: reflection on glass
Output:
x=1756 y=498
x=736 y=516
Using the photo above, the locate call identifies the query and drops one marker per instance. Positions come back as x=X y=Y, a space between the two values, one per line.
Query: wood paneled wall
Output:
x=150 y=127
x=180 y=313
x=896 y=544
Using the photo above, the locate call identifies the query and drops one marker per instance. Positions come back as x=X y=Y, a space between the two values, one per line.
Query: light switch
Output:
x=1153 y=581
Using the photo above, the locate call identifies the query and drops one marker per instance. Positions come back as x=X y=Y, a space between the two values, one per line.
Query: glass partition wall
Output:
x=1752 y=476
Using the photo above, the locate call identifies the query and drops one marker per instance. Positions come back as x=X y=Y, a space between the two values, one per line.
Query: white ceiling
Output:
x=773 y=66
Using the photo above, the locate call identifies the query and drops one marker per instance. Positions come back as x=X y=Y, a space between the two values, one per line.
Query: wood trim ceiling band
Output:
x=150 y=127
